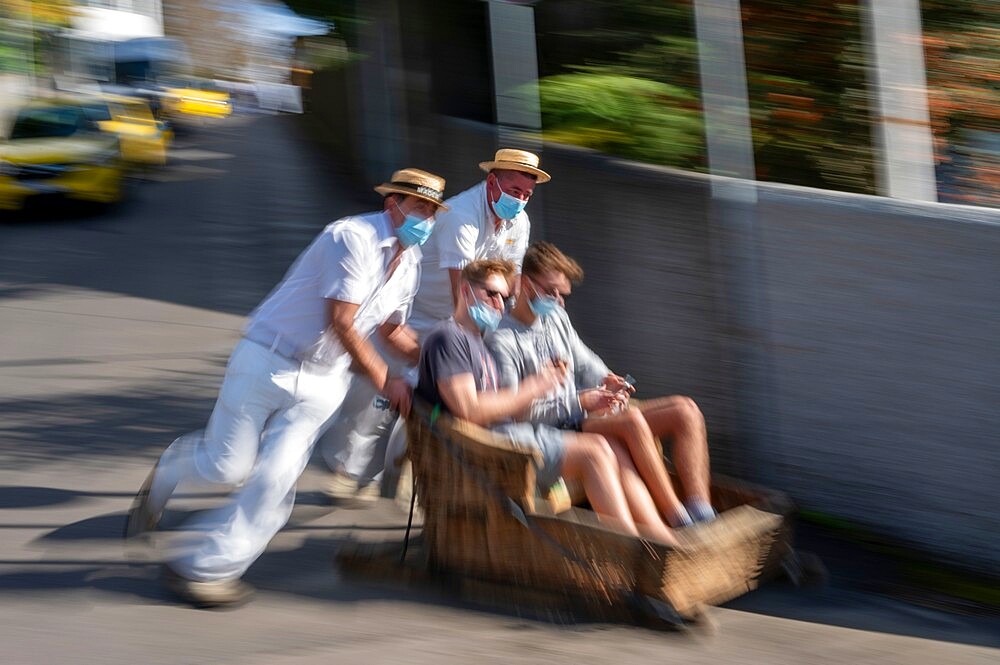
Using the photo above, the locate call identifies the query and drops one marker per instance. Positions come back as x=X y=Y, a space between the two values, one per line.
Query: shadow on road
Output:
x=142 y=421
x=854 y=599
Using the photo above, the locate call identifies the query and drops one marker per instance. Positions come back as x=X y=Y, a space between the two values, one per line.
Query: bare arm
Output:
x=459 y=395
x=401 y=340
x=365 y=357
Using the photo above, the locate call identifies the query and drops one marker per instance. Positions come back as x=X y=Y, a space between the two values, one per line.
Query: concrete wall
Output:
x=884 y=331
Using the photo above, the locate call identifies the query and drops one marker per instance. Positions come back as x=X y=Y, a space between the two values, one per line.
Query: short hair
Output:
x=543 y=257
x=481 y=269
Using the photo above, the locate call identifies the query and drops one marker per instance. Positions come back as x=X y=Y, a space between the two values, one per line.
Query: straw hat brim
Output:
x=389 y=188
x=516 y=166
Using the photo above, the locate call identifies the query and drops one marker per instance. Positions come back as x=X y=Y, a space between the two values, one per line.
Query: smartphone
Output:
x=630 y=381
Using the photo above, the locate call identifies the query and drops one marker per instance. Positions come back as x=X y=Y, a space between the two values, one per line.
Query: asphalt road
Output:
x=115 y=327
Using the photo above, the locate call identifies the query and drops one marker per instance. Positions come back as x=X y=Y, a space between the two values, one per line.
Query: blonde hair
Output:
x=543 y=257
x=480 y=270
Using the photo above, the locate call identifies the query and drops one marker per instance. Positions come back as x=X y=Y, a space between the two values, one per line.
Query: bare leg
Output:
x=679 y=418
x=589 y=460
x=640 y=502
x=631 y=428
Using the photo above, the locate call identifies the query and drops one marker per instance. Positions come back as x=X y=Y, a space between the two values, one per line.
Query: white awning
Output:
x=113 y=25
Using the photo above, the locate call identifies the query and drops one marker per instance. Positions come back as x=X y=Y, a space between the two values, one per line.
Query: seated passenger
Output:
x=458 y=372
x=537 y=331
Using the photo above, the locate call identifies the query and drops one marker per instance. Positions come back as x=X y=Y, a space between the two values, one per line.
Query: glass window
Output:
x=46 y=123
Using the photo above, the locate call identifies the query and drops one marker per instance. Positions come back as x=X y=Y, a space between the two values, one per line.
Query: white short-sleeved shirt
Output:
x=465 y=233
x=347 y=261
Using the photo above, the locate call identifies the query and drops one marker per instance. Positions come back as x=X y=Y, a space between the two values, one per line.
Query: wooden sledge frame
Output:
x=485 y=527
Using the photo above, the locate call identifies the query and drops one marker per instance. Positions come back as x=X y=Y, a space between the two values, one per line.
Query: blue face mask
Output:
x=508 y=207
x=414 y=231
x=543 y=305
x=485 y=317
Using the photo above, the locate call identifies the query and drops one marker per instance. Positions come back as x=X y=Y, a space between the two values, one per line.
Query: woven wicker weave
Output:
x=477 y=491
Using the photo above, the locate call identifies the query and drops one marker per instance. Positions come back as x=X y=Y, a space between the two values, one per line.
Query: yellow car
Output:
x=195 y=98
x=143 y=139
x=54 y=149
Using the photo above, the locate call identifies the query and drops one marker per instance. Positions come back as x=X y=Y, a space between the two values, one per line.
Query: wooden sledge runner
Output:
x=484 y=525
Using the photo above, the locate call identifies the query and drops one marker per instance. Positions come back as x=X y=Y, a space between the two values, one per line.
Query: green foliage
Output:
x=12 y=59
x=320 y=53
x=19 y=51
x=633 y=117
x=808 y=127
x=668 y=58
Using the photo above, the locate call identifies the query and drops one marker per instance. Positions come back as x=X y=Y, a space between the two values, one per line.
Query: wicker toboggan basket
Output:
x=482 y=520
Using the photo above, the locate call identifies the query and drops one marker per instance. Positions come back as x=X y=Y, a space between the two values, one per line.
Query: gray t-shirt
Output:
x=521 y=351
x=450 y=350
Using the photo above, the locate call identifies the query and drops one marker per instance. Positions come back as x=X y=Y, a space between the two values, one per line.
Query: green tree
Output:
x=622 y=115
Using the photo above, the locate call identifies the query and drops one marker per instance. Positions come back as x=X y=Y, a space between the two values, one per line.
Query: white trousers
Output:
x=365 y=440
x=265 y=423
x=356 y=440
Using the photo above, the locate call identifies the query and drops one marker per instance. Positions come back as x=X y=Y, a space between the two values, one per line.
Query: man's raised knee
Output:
x=228 y=473
x=689 y=410
x=635 y=418
x=599 y=449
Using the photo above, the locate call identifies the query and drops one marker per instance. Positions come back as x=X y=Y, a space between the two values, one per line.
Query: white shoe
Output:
x=370 y=492
x=341 y=487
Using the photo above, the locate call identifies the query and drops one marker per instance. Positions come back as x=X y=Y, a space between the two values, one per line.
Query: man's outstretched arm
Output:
x=460 y=397
x=366 y=358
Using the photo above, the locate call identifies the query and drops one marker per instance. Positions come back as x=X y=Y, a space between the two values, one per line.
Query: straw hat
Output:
x=511 y=159
x=414 y=182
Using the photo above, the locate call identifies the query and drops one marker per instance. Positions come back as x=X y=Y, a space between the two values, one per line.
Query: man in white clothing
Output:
x=486 y=221
x=287 y=378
